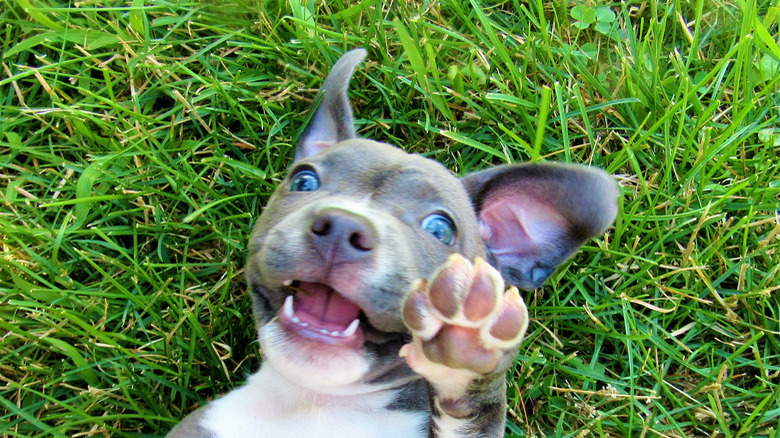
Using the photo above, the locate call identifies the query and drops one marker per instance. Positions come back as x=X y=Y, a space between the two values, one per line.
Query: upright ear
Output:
x=332 y=121
x=535 y=216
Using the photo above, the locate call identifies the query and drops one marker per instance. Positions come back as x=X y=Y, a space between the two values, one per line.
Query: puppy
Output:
x=377 y=279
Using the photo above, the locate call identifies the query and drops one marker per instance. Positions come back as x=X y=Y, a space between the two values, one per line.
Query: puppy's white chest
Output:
x=268 y=406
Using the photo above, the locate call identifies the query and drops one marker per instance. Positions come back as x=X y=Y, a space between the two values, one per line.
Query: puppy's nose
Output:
x=341 y=236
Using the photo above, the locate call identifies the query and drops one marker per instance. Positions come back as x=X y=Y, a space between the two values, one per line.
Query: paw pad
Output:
x=462 y=318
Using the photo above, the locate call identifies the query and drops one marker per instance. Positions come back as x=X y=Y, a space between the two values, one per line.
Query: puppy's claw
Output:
x=416 y=312
x=450 y=285
x=485 y=292
x=510 y=324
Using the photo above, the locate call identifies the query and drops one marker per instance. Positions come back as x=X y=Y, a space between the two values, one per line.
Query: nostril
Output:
x=360 y=241
x=346 y=235
x=321 y=227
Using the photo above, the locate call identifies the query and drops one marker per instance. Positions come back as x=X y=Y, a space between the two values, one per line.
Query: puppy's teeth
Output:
x=303 y=324
x=287 y=282
x=335 y=333
x=352 y=329
x=296 y=320
x=324 y=332
x=287 y=309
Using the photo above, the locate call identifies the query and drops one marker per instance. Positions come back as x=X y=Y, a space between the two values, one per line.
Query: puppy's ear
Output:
x=332 y=121
x=535 y=216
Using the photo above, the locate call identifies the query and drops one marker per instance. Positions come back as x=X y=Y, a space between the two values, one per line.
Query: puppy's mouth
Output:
x=319 y=313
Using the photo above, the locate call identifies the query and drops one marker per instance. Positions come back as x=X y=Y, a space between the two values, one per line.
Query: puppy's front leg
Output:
x=466 y=331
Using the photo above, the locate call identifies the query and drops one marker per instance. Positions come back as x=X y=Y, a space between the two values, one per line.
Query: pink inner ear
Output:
x=519 y=224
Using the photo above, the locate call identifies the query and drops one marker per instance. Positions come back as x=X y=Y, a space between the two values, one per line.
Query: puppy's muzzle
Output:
x=342 y=236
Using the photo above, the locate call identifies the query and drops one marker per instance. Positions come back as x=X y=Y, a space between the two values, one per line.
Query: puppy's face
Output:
x=337 y=249
x=357 y=222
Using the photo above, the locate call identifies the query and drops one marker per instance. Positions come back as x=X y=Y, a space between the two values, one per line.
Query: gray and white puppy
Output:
x=378 y=285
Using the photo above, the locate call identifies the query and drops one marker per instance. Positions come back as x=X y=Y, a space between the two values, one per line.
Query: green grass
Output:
x=138 y=144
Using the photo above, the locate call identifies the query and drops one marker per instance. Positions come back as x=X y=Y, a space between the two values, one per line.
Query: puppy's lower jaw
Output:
x=320 y=314
x=324 y=367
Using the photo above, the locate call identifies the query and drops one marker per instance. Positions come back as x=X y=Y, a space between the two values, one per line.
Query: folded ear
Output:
x=534 y=216
x=332 y=121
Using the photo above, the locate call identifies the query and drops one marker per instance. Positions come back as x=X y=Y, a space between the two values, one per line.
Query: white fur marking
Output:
x=270 y=406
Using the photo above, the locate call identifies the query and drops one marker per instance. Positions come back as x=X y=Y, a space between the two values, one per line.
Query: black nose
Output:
x=341 y=236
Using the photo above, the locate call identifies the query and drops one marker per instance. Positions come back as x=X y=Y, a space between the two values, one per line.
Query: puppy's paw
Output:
x=461 y=319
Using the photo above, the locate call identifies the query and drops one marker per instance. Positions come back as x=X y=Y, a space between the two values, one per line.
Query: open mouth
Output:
x=319 y=313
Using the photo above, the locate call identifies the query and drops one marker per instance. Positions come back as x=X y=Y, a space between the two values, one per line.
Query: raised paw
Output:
x=461 y=318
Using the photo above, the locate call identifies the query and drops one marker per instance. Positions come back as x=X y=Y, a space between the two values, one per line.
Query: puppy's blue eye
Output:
x=441 y=227
x=305 y=181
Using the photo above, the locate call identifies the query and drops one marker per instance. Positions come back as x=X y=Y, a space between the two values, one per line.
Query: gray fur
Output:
x=381 y=190
x=190 y=427
x=332 y=121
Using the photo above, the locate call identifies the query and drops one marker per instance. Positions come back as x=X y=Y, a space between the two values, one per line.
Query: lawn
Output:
x=139 y=141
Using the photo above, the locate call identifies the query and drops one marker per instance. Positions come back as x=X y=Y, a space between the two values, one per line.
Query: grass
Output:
x=139 y=141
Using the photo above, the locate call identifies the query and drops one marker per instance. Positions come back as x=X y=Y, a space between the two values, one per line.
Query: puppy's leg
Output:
x=466 y=331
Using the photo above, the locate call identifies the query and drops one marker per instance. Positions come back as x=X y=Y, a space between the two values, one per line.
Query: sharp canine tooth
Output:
x=352 y=329
x=287 y=282
x=287 y=309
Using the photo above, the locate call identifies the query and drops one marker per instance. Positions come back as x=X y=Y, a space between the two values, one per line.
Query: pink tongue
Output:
x=319 y=305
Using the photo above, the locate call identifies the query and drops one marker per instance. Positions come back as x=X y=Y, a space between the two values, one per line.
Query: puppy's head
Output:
x=356 y=222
